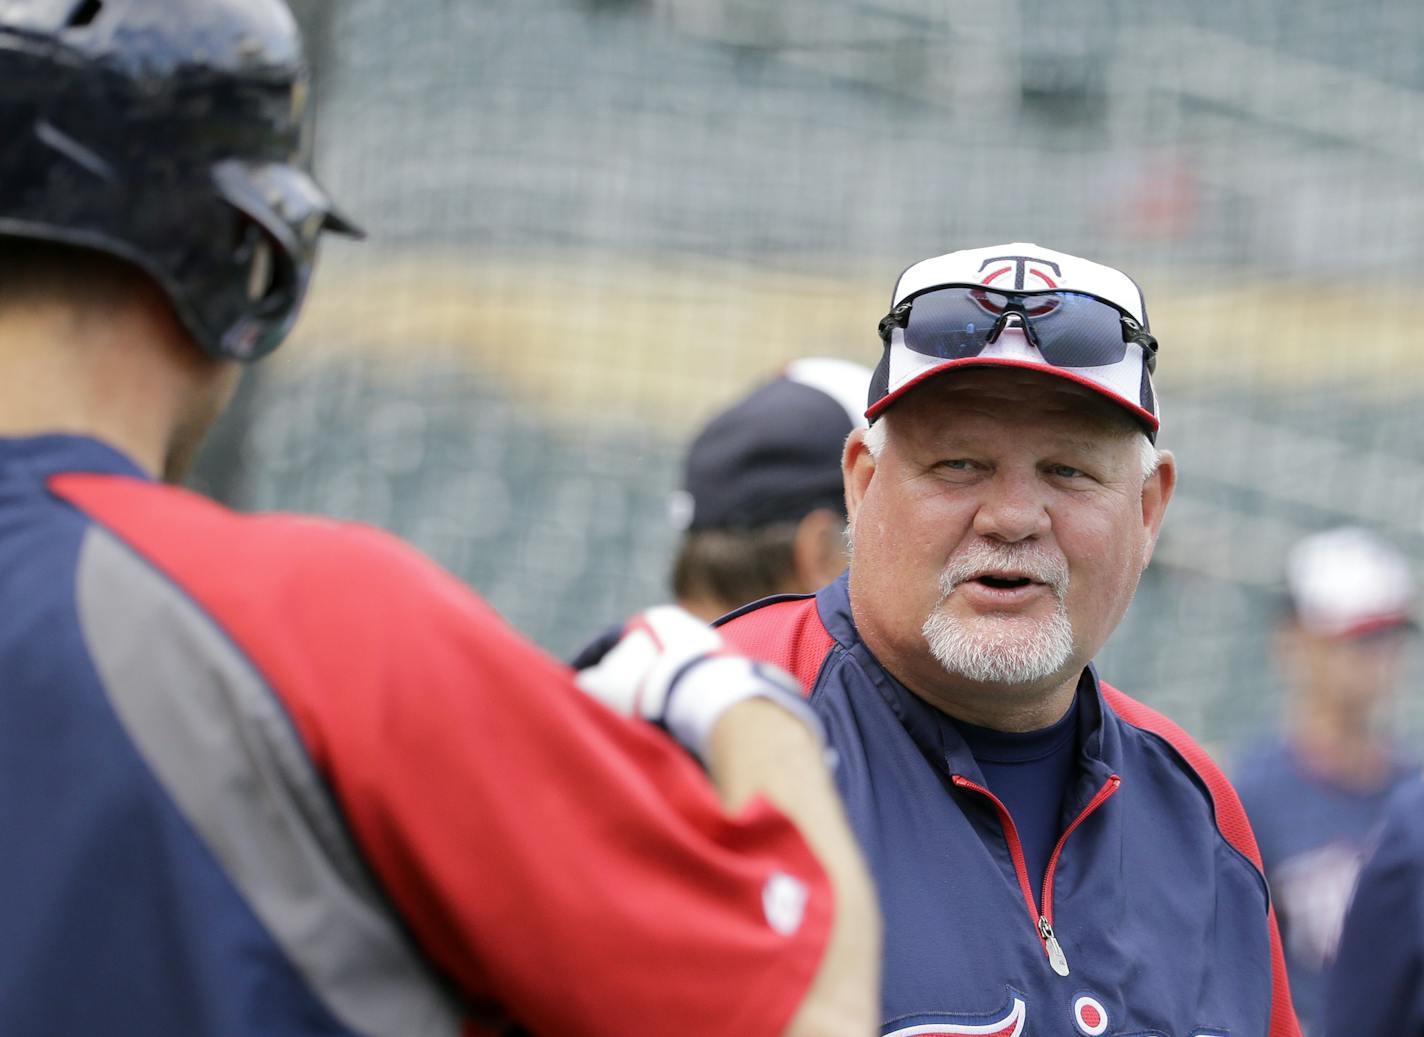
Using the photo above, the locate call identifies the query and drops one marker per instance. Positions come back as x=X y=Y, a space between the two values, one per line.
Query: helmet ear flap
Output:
x=266 y=287
x=268 y=275
x=255 y=251
x=281 y=213
x=260 y=273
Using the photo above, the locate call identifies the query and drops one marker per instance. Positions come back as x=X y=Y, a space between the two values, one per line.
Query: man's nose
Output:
x=1013 y=508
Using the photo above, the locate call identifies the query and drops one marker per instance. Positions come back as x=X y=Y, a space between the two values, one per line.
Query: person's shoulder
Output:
x=1143 y=717
x=786 y=630
x=775 y=610
x=1404 y=812
x=318 y=605
x=170 y=519
x=296 y=566
x=1404 y=765
x=1226 y=805
x=1399 y=836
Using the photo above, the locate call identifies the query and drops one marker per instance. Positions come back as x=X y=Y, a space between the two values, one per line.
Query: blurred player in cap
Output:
x=1315 y=793
x=266 y=775
x=761 y=503
x=1052 y=857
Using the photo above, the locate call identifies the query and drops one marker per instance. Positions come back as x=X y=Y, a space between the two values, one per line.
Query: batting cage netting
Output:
x=593 y=224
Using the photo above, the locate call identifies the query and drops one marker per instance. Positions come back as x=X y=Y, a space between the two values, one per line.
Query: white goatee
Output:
x=1004 y=648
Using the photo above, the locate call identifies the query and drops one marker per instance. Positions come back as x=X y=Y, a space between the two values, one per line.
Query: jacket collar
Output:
x=935 y=733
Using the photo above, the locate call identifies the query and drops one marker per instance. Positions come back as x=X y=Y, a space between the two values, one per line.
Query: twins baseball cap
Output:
x=1019 y=305
x=775 y=455
x=1347 y=582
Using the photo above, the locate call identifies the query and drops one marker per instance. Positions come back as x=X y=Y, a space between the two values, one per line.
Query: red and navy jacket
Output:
x=283 y=776
x=1153 y=897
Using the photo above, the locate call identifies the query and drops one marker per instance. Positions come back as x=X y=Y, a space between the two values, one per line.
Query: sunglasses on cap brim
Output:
x=1069 y=329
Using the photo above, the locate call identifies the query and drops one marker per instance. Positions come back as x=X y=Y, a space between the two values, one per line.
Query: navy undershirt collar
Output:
x=1030 y=772
x=991 y=746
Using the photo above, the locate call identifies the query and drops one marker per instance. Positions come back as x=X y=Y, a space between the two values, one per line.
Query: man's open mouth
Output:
x=1003 y=582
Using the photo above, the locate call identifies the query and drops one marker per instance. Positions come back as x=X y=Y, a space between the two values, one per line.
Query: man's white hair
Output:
x=879 y=432
x=876 y=435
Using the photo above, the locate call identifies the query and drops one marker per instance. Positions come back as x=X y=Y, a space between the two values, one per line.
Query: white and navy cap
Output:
x=1122 y=373
x=774 y=455
x=1347 y=583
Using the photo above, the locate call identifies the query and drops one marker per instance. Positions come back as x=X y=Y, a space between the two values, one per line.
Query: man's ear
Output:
x=1156 y=492
x=857 y=467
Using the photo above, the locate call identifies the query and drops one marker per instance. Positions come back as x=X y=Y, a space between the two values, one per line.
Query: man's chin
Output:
x=1007 y=633
x=999 y=650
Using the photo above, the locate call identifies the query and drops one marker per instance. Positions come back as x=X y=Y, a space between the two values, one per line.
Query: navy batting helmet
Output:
x=171 y=134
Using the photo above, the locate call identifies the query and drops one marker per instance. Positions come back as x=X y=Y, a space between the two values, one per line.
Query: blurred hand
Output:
x=672 y=669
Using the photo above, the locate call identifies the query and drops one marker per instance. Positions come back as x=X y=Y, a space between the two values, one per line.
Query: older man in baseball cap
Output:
x=1051 y=856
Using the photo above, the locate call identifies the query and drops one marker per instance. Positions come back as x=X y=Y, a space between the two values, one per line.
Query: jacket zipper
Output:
x=1042 y=918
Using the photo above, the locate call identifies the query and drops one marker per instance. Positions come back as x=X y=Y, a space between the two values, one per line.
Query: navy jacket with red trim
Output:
x=1154 y=918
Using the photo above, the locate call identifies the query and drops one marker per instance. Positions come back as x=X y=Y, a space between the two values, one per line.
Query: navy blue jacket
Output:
x=1376 y=986
x=1154 y=904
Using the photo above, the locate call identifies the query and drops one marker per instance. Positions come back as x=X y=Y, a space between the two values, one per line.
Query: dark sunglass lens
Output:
x=1079 y=332
x=954 y=323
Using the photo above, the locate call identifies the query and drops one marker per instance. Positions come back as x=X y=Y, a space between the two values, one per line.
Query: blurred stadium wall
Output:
x=593 y=223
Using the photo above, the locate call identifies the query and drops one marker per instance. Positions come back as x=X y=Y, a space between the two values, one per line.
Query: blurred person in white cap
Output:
x=761 y=504
x=1315 y=791
x=1051 y=856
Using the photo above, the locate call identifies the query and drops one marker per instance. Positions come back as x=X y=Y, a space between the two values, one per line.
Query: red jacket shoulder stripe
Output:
x=787 y=633
x=1230 y=815
x=1235 y=828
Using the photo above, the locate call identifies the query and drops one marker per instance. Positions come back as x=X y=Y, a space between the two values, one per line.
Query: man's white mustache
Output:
x=1034 y=561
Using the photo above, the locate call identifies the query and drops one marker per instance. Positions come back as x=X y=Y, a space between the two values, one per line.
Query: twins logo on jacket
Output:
x=1088 y=1014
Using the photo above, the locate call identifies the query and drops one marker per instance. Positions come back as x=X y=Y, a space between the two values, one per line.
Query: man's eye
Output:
x=1066 y=471
x=957 y=464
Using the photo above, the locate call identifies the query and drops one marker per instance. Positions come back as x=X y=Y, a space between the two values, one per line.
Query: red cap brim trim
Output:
x=1139 y=412
x=1369 y=625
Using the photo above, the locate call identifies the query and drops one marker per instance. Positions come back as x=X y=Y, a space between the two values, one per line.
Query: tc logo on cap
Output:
x=1029 y=272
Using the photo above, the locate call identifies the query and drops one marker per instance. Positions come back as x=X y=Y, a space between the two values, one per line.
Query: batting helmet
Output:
x=171 y=134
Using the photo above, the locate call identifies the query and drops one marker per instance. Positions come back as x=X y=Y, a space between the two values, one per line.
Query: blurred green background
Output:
x=595 y=223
